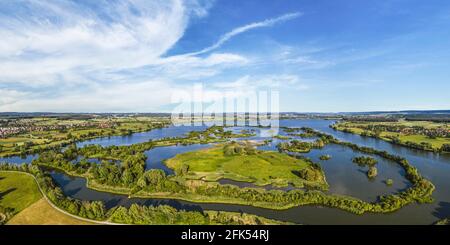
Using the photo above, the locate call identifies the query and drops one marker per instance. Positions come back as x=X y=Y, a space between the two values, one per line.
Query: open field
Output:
x=41 y=213
x=18 y=191
x=417 y=134
x=260 y=168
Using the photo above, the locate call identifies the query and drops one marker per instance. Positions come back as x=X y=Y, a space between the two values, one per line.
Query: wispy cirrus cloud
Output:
x=266 y=23
x=261 y=82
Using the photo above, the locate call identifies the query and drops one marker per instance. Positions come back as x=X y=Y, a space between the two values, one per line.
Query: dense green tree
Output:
x=373 y=172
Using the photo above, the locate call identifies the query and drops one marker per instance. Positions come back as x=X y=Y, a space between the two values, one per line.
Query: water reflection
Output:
x=171 y=131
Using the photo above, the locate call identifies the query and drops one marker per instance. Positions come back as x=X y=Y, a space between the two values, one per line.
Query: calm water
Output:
x=18 y=159
x=342 y=174
x=155 y=134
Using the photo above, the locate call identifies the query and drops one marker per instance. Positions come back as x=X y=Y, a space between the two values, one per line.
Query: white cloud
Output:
x=276 y=81
x=81 y=39
x=8 y=97
x=193 y=67
x=122 y=97
x=266 y=23
x=102 y=55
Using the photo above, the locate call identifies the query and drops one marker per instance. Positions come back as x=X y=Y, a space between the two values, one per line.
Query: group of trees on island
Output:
x=325 y=157
x=238 y=148
x=372 y=172
x=300 y=146
x=364 y=161
x=308 y=174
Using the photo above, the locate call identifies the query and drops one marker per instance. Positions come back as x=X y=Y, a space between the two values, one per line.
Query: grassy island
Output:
x=325 y=157
x=240 y=162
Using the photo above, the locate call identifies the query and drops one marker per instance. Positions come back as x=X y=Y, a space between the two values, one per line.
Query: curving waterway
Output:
x=342 y=174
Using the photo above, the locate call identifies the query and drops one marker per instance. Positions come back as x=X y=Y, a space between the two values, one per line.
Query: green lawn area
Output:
x=355 y=127
x=261 y=168
x=425 y=124
x=437 y=142
x=18 y=190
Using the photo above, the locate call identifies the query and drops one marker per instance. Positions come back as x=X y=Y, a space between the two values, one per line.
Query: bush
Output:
x=365 y=161
x=389 y=182
x=372 y=173
x=325 y=157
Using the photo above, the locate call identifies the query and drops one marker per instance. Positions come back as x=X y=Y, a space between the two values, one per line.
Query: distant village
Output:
x=10 y=127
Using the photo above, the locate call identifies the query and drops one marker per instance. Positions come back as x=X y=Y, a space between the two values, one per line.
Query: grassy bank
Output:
x=41 y=213
x=18 y=191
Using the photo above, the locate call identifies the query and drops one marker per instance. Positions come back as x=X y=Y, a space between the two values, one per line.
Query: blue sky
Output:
x=132 y=56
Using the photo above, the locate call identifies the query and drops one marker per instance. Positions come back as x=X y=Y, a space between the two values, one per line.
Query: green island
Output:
x=370 y=162
x=372 y=172
x=389 y=182
x=325 y=157
x=241 y=162
x=363 y=161
x=281 y=137
x=422 y=135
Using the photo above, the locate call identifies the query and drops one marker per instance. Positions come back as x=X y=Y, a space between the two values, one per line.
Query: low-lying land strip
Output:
x=429 y=136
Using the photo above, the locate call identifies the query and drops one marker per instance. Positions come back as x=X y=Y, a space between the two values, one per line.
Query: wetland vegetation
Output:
x=116 y=178
x=325 y=157
x=241 y=162
x=195 y=176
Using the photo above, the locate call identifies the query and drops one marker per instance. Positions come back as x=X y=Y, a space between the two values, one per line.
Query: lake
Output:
x=344 y=177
